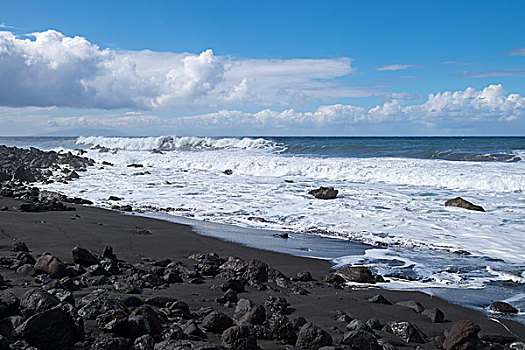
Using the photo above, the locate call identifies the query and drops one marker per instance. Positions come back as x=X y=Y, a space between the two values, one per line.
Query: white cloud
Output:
x=520 y=51
x=51 y=69
x=393 y=67
x=494 y=73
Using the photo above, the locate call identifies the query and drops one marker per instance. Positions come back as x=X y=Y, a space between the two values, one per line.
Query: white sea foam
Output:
x=383 y=201
x=170 y=143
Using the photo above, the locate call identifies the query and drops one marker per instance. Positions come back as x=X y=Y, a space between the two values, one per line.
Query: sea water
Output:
x=391 y=196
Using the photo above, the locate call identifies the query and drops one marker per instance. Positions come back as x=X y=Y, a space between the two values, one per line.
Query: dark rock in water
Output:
x=257 y=218
x=502 y=307
x=435 y=315
x=461 y=203
x=240 y=338
x=412 y=304
x=127 y=208
x=379 y=299
x=217 y=322
x=361 y=340
x=324 y=193
x=83 y=256
x=312 y=337
x=228 y=172
x=282 y=329
x=463 y=335
x=51 y=329
x=359 y=274
x=107 y=163
x=72 y=175
x=289 y=181
x=282 y=235
x=408 y=332
x=50 y=265
x=135 y=165
x=114 y=198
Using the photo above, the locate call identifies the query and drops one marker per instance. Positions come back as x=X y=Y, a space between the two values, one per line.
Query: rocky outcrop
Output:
x=463 y=335
x=461 y=203
x=324 y=193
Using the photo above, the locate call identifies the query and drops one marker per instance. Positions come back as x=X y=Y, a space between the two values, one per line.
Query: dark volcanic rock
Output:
x=463 y=335
x=9 y=304
x=361 y=340
x=37 y=300
x=282 y=329
x=49 y=330
x=187 y=345
x=435 y=315
x=255 y=315
x=312 y=337
x=360 y=274
x=461 y=203
x=412 y=304
x=406 y=331
x=275 y=305
x=324 y=193
x=151 y=315
x=50 y=265
x=20 y=247
x=84 y=256
x=216 y=322
x=110 y=342
x=502 y=307
x=304 y=276
x=240 y=338
x=379 y=299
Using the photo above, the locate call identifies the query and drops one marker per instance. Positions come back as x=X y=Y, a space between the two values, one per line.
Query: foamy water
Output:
x=385 y=201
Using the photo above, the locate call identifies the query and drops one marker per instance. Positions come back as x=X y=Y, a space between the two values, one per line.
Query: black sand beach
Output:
x=57 y=232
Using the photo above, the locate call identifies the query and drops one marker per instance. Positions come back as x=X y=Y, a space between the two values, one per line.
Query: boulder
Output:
x=324 y=193
x=37 y=300
x=187 y=345
x=502 y=307
x=145 y=342
x=379 y=299
x=312 y=337
x=151 y=315
x=275 y=304
x=461 y=203
x=463 y=335
x=240 y=338
x=49 y=330
x=256 y=315
x=412 y=304
x=51 y=266
x=216 y=322
x=435 y=315
x=408 y=332
x=97 y=303
x=304 y=276
x=282 y=329
x=111 y=342
x=9 y=304
x=359 y=274
x=83 y=256
x=361 y=340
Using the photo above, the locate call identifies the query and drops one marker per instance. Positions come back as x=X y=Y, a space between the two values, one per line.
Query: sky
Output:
x=252 y=68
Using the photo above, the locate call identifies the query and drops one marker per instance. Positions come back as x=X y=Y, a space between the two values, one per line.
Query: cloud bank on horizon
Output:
x=44 y=72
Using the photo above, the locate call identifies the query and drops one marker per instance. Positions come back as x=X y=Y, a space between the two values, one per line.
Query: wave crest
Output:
x=173 y=143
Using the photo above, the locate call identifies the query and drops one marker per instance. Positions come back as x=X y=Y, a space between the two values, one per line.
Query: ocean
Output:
x=391 y=198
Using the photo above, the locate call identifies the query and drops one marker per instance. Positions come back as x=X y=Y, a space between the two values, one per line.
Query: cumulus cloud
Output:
x=51 y=69
x=393 y=67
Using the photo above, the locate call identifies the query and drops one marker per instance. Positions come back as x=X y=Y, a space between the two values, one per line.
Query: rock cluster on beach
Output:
x=20 y=167
x=101 y=302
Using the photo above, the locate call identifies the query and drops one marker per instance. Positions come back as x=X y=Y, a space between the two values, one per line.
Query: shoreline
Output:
x=94 y=228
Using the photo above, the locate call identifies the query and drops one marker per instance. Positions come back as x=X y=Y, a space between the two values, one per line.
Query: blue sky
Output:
x=330 y=63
